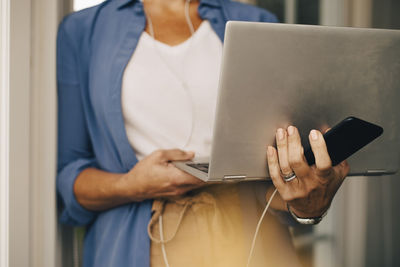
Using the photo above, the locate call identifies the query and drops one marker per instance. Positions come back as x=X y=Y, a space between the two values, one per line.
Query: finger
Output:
x=179 y=177
x=173 y=155
x=181 y=190
x=343 y=169
x=324 y=128
x=323 y=161
x=190 y=182
x=191 y=187
x=273 y=168
x=297 y=160
x=281 y=143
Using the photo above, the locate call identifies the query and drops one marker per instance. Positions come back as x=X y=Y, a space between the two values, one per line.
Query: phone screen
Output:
x=346 y=138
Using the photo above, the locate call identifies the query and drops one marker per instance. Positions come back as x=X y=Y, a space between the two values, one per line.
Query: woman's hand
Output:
x=311 y=192
x=152 y=177
x=155 y=176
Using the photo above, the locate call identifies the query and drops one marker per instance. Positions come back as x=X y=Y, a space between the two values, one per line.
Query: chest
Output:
x=169 y=93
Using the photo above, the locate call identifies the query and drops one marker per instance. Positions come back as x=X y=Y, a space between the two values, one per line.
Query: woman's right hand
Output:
x=155 y=176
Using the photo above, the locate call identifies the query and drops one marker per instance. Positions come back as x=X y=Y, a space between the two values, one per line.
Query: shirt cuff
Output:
x=72 y=212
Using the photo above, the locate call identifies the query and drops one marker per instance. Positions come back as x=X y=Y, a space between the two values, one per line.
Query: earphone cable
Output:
x=253 y=244
x=164 y=253
x=171 y=69
x=186 y=90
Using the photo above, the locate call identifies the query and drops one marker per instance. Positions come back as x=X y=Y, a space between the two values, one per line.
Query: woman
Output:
x=129 y=73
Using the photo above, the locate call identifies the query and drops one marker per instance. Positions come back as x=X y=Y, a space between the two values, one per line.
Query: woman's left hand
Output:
x=311 y=192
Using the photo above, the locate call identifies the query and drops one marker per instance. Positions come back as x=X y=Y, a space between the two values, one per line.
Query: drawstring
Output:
x=159 y=206
x=157 y=216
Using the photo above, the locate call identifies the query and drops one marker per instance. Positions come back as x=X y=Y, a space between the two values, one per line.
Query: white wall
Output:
x=28 y=132
x=4 y=95
x=19 y=164
x=43 y=115
x=15 y=132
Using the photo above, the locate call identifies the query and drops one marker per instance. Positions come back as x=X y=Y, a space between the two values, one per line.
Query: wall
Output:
x=28 y=133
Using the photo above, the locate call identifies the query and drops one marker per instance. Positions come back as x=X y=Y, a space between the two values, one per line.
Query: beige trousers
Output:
x=206 y=229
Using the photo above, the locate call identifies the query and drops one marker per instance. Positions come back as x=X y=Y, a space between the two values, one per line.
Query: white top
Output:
x=158 y=107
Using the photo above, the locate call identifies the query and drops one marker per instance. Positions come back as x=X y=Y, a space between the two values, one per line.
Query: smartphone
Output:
x=346 y=138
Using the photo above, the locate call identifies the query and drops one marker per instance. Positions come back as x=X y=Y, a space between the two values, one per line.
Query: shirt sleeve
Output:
x=267 y=16
x=74 y=146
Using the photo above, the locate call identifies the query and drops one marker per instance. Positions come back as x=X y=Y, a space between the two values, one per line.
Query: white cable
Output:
x=187 y=16
x=191 y=28
x=171 y=69
x=160 y=223
x=258 y=228
x=252 y=244
x=184 y=86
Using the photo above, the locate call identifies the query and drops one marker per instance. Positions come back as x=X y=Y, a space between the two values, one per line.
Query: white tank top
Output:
x=156 y=108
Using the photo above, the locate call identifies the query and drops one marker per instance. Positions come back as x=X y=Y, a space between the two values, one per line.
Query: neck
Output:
x=170 y=21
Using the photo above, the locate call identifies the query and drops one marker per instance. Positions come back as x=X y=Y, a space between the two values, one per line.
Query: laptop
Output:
x=276 y=75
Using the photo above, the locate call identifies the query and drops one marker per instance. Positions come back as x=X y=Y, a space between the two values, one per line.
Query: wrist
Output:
x=304 y=214
x=309 y=208
x=304 y=218
x=124 y=190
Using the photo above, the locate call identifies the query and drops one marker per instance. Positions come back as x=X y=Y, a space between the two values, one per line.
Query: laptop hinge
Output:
x=376 y=172
x=234 y=177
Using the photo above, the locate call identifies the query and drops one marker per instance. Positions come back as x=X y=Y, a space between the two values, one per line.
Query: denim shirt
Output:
x=93 y=49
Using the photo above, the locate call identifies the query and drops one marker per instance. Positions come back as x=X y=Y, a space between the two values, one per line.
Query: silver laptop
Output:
x=275 y=75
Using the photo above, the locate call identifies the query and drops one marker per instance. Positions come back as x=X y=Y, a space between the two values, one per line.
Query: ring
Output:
x=289 y=177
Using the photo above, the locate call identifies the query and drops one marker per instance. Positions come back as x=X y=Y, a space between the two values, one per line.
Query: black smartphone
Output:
x=346 y=138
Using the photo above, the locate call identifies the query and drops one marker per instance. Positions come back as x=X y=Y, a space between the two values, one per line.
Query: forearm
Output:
x=98 y=190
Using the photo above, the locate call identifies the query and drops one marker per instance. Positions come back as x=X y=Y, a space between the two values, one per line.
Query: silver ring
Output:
x=289 y=177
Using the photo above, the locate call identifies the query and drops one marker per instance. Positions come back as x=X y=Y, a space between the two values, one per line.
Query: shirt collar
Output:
x=122 y=3
x=216 y=3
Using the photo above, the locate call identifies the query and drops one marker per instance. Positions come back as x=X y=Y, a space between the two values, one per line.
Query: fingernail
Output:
x=191 y=153
x=290 y=130
x=314 y=135
x=280 y=134
x=270 y=151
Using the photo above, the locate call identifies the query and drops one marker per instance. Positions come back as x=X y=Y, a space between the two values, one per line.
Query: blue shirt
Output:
x=93 y=49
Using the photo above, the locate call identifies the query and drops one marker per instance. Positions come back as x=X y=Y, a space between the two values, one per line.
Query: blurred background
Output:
x=361 y=228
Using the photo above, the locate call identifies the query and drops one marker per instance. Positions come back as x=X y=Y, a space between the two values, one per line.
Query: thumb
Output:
x=175 y=154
